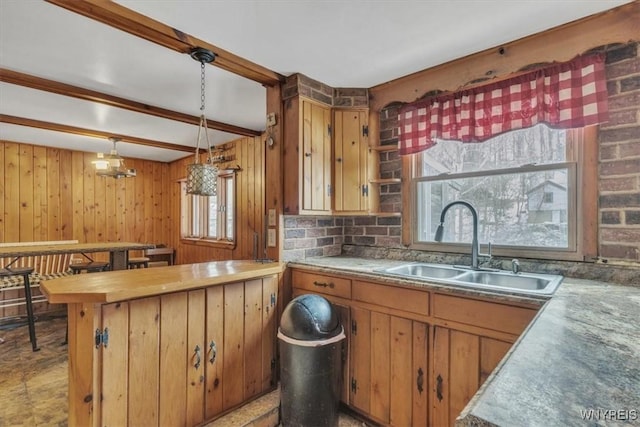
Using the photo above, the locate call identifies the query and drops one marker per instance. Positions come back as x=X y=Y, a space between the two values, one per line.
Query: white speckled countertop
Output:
x=577 y=364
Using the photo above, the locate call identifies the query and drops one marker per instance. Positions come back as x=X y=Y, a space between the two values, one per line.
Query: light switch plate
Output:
x=272 y=218
x=271 y=237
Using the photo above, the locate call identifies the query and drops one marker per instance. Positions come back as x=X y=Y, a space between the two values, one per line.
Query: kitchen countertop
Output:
x=111 y=286
x=578 y=362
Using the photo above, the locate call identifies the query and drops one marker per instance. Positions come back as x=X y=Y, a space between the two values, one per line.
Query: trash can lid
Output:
x=310 y=317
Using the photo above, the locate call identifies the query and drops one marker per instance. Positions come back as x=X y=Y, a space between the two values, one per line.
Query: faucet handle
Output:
x=488 y=254
x=515 y=266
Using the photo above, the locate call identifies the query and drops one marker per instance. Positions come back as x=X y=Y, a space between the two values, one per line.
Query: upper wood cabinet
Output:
x=351 y=160
x=326 y=159
x=307 y=157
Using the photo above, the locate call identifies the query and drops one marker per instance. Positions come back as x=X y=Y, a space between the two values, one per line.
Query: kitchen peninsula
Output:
x=179 y=344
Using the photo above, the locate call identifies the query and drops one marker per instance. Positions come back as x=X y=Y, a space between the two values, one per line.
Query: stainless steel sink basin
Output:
x=532 y=283
x=524 y=281
x=425 y=270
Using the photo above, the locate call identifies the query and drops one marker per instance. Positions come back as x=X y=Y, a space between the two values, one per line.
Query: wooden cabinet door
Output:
x=389 y=367
x=461 y=362
x=269 y=331
x=233 y=383
x=215 y=351
x=351 y=160
x=345 y=318
x=316 y=157
x=196 y=357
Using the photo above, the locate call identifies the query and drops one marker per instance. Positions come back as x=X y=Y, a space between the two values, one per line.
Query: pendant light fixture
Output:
x=112 y=164
x=202 y=178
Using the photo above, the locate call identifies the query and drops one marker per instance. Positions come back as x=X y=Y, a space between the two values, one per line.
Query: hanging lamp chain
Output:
x=202 y=83
x=203 y=119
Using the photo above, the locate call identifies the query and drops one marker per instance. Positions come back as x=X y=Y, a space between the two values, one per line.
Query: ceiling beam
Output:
x=132 y=22
x=21 y=79
x=21 y=121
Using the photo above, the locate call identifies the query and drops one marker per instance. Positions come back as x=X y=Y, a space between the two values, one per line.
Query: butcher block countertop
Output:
x=112 y=286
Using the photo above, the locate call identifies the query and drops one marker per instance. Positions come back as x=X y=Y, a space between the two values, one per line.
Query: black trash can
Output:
x=311 y=339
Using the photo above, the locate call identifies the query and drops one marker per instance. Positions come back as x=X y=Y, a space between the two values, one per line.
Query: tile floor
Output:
x=33 y=386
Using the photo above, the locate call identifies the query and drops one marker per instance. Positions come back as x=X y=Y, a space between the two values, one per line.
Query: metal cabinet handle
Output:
x=420 y=380
x=439 y=388
x=307 y=154
x=197 y=356
x=213 y=351
x=324 y=284
x=339 y=159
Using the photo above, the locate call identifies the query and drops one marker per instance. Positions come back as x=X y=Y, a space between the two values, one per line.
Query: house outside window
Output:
x=209 y=218
x=524 y=184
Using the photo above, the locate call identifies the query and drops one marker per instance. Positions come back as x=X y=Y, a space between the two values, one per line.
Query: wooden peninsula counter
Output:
x=164 y=346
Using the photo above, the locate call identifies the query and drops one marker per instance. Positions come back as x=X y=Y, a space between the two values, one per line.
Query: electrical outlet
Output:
x=271 y=119
x=271 y=237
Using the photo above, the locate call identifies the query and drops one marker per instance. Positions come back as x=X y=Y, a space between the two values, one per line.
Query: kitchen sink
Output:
x=433 y=271
x=533 y=283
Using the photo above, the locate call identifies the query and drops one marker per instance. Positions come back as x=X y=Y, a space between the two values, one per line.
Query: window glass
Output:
x=210 y=217
x=520 y=184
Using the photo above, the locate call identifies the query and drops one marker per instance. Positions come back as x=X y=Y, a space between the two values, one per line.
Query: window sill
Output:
x=503 y=252
x=208 y=242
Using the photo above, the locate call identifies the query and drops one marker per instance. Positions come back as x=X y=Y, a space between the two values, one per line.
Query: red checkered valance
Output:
x=563 y=95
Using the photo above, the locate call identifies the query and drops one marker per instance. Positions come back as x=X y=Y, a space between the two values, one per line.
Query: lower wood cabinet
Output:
x=462 y=361
x=415 y=357
x=389 y=367
x=177 y=359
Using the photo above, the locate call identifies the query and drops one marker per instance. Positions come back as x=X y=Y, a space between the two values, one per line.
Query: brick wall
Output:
x=619 y=152
x=309 y=236
x=299 y=84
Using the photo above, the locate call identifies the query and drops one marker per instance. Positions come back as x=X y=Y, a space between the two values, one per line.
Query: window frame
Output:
x=582 y=151
x=189 y=204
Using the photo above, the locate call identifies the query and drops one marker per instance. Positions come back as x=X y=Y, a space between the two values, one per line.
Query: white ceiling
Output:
x=348 y=43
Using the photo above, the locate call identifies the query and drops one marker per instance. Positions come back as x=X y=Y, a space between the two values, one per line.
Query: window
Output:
x=209 y=218
x=525 y=186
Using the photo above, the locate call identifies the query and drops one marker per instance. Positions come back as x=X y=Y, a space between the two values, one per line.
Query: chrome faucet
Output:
x=475 y=245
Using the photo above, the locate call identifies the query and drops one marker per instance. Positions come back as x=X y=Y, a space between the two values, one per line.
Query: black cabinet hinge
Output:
x=354 y=385
x=365 y=190
x=365 y=130
x=354 y=327
x=102 y=337
x=329 y=130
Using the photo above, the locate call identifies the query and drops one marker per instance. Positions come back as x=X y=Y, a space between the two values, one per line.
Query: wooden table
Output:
x=118 y=251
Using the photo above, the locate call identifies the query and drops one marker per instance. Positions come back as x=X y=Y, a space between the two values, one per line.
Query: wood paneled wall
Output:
x=53 y=194
x=249 y=154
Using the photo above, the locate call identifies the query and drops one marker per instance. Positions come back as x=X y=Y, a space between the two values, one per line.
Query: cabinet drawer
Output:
x=321 y=283
x=412 y=300
x=499 y=317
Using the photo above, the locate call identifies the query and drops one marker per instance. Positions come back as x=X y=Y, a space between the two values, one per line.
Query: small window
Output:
x=523 y=184
x=209 y=218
